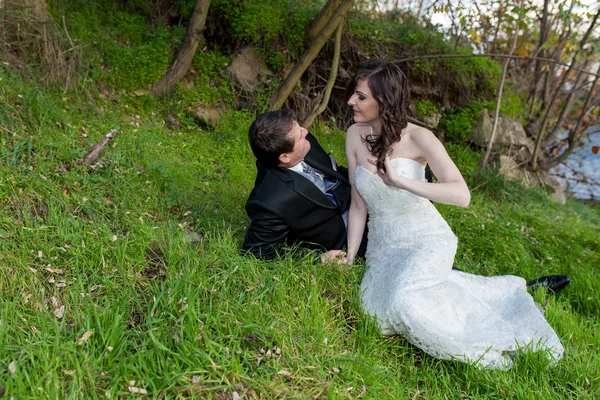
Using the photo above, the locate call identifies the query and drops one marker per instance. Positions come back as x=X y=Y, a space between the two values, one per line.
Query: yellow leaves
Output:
x=475 y=37
x=440 y=9
x=570 y=46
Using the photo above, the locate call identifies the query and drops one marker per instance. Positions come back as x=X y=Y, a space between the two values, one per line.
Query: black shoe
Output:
x=554 y=283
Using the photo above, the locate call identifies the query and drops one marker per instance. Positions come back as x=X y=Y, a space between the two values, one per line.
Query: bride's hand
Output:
x=390 y=177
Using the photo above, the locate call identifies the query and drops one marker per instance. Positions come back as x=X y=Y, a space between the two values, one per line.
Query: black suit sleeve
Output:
x=267 y=232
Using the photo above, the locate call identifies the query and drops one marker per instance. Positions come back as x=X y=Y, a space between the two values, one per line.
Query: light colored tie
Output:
x=319 y=180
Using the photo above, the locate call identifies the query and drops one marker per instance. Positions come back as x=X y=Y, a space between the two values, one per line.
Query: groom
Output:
x=301 y=196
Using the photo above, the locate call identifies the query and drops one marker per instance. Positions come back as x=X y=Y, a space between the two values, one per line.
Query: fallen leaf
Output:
x=185 y=214
x=69 y=372
x=96 y=287
x=348 y=389
x=595 y=149
x=285 y=373
x=336 y=370
x=85 y=337
x=59 y=312
x=54 y=271
x=114 y=238
x=134 y=389
x=235 y=396
x=12 y=368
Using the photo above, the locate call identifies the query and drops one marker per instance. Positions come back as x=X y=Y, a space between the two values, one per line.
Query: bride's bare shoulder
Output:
x=358 y=128
x=357 y=132
x=418 y=134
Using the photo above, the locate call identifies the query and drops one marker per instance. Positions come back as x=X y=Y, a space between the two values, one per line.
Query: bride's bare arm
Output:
x=451 y=189
x=357 y=215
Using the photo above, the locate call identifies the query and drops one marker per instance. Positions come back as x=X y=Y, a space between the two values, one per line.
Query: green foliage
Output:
x=465 y=158
x=209 y=86
x=458 y=124
x=124 y=52
x=512 y=105
x=426 y=108
x=265 y=22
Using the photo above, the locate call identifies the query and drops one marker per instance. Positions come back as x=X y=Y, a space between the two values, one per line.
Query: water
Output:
x=582 y=164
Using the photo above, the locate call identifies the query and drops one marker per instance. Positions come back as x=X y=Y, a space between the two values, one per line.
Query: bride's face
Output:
x=364 y=105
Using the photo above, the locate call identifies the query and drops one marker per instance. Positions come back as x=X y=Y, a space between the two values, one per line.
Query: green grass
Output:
x=193 y=318
x=196 y=319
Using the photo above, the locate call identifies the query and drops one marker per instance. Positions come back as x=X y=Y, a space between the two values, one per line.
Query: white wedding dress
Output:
x=411 y=289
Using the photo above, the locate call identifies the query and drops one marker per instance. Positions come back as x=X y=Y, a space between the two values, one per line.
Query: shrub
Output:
x=459 y=123
x=426 y=108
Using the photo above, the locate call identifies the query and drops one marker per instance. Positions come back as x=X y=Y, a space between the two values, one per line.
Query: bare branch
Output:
x=494 y=55
x=91 y=157
x=321 y=106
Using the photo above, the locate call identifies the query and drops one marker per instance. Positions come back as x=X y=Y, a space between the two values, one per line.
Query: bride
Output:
x=410 y=286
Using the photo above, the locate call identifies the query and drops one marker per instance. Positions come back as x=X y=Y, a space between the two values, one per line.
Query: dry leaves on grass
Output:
x=12 y=368
x=285 y=373
x=133 y=389
x=84 y=337
x=59 y=312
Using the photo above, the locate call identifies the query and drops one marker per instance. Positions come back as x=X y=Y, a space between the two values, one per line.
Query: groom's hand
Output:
x=334 y=256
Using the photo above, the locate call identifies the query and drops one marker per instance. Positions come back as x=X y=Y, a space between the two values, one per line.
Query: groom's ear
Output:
x=284 y=158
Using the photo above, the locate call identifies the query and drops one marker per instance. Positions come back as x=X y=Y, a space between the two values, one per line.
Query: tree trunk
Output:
x=539 y=51
x=319 y=22
x=309 y=55
x=567 y=107
x=185 y=55
x=499 y=98
x=322 y=105
x=540 y=136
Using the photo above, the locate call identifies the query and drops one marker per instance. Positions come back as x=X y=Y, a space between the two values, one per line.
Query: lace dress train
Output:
x=411 y=289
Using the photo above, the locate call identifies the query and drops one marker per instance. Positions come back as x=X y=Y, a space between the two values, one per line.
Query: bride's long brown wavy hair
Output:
x=389 y=87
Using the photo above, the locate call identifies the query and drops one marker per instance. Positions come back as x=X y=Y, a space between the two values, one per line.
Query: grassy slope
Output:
x=198 y=320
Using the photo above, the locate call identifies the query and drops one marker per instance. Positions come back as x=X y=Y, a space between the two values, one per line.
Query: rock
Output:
x=247 y=69
x=510 y=169
x=558 y=193
x=434 y=120
x=508 y=133
x=209 y=115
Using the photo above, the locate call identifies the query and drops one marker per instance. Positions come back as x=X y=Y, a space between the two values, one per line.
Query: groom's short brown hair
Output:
x=269 y=136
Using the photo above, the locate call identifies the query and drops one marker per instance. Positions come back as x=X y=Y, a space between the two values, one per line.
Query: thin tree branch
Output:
x=318 y=110
x=436 y=56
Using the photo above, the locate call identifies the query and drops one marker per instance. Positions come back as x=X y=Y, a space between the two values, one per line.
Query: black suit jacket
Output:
x=286 y=209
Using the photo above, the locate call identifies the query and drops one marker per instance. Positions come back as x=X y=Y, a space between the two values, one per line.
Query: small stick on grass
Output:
x=93 y=155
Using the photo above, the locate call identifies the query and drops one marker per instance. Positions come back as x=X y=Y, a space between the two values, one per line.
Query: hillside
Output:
x=125 y=280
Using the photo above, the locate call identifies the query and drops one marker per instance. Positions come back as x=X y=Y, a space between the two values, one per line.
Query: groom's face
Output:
x=301 y=147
